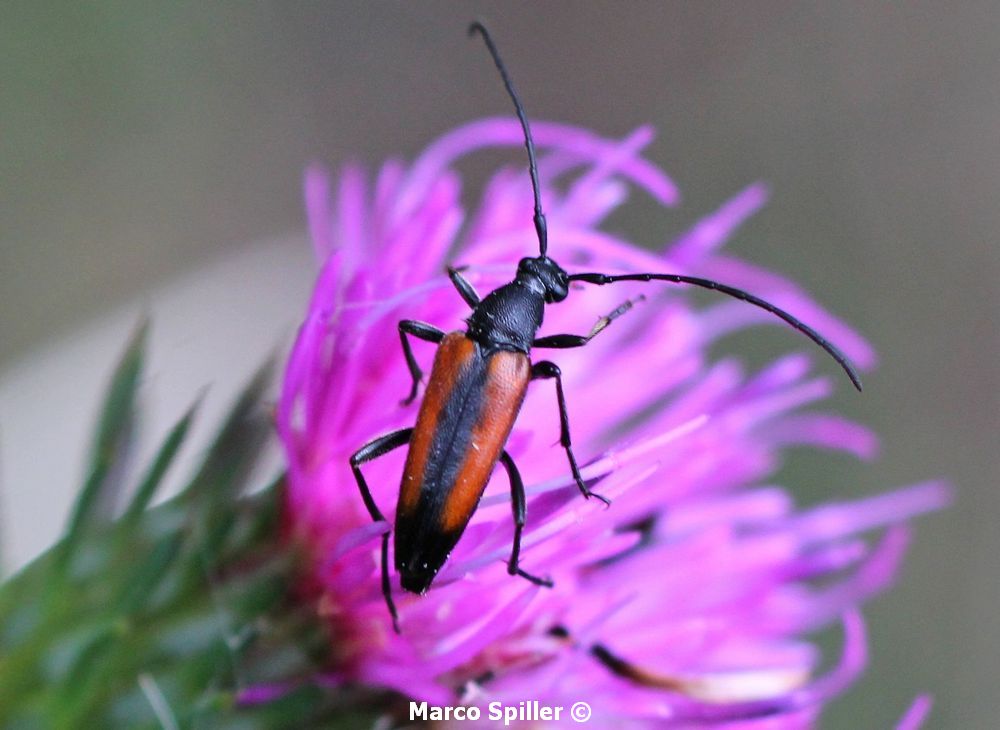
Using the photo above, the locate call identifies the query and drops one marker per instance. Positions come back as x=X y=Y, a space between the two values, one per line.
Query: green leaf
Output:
x=161 y=462
x=114 y=425
x=220 y=479
x=140 y=584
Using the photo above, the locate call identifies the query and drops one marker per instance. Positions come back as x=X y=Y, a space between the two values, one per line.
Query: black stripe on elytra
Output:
x=458 y=416
x=453 y=436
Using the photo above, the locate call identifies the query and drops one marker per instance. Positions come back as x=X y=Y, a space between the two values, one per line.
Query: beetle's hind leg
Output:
x=370 y=451
x=549 y=370
x=423 y=331
x=520 y=515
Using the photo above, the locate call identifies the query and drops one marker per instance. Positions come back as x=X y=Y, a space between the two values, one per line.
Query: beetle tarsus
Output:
x=587 y=494
x=578 y=478
x=413 y=392
x=543 y=582
x=387 y=586
x=565 y=341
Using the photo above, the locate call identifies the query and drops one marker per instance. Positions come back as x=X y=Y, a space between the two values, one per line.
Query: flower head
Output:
x=686 y=600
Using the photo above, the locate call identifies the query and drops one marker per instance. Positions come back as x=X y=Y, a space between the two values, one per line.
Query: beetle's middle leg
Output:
x=520 y=515
x=549 y=370
x=423 y=331
x=372 y=450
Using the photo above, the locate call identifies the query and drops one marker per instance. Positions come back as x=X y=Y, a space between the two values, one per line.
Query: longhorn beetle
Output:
x=476 y=388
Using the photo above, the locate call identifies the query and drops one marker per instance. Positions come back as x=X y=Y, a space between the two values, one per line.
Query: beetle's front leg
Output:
x=564 y=342
x=423 y=331
x=549 y=370
x=372 y=450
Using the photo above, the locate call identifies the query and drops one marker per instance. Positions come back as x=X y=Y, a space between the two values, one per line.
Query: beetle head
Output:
x=544 y=276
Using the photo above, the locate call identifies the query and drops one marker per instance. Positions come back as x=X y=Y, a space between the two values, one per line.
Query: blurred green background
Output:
x=143 y=142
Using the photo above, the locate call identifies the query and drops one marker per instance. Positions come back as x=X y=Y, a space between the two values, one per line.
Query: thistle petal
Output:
x=686 y=601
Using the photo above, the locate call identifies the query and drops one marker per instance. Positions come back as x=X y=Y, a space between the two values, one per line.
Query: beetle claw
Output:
x=588 y=494
x=413 y=394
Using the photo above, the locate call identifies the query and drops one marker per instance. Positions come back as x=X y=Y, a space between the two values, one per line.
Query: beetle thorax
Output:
x=510 y=316
x=507 y=318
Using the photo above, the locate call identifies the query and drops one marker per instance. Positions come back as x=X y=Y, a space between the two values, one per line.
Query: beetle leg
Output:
x=520 y=514
x=563 y=342
x=549 y=370
x=423 y=331
x=465 y=289
x=372 y=450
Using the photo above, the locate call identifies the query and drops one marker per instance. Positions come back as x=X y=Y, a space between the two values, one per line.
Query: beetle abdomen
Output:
x=468 y=411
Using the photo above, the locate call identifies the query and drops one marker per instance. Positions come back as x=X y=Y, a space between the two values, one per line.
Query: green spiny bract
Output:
x=161 y=617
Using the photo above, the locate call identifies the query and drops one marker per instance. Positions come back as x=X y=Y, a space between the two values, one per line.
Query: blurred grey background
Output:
x=149 y=149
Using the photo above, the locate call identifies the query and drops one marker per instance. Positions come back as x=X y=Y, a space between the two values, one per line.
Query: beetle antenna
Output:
x=540 y=225
x=805 y=329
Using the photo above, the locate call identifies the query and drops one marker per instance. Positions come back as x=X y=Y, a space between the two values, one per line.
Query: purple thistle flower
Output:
x=702 y=576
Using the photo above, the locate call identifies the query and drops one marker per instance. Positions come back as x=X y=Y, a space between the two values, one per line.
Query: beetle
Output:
x=476 y=388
